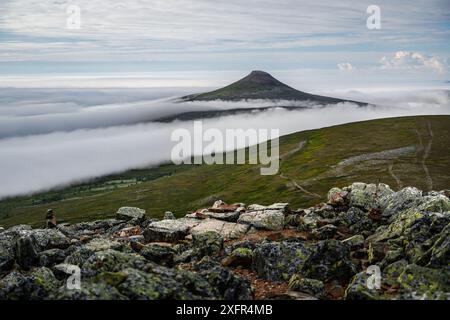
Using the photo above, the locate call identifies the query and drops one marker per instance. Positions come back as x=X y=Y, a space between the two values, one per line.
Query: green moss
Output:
x=243 y=251
x=112 y=278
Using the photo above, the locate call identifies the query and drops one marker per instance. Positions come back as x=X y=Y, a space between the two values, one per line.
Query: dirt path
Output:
x=425 y=156
x=299 y=187
x=391 y=172
x=295 y=150
x=300 y=146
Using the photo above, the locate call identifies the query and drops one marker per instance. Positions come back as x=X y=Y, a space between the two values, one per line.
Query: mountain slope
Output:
x=260 y=85
x=397 y=151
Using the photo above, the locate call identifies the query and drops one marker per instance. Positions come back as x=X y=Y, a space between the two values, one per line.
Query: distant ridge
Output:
x=261 y=85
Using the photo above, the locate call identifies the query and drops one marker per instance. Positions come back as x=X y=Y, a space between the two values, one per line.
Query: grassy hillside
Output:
x=397 y=151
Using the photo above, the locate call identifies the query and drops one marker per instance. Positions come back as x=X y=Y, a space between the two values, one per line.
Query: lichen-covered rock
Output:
x=46 y=282
x=425 y=283
x=406 y=234
x=207 y=243
x=337 y=197
x=440 y=251
x=418 y=224
x=25 y=251
x=6 y=252
x=168 y=215
x=330 y=259
x=358 y=289
x=18 y=228
x=312 y=286
x=391 y=256
x=48 y=238
x=411 y=282
x=83 y=228
x=63 y=271
x=355 y=220
x=228 y=230
x=166 y=284
x=113 y=261
x=160 y=254
x=239 y=257
x=51 y=257
x=169 y=230
x=326 y=232
x=368 y=196
x=283 y=207
x=229 y=285
x=377 y=251
x=77 y=255
x=89 y=291
x=185 y=256
x=128 y=213
x=421 y=235
x=354 y=242
x=309 y=221
x=278 y=261
x=36 y=285
x=230 y=216
x=400 y=201
x=263 y=219
x=100 y=244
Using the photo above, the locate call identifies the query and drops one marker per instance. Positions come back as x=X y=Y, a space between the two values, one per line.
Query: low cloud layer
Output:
x=37 y=162
x=42 y=111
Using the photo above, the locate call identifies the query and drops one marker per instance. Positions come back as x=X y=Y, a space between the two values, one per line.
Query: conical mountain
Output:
x=259 y=85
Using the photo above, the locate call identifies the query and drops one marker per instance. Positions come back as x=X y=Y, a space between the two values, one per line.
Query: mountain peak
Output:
x=261 y=77
x=259 y=73
x=259 y=85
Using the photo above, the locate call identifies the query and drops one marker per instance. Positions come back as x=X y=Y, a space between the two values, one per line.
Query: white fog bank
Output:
x=41 y=161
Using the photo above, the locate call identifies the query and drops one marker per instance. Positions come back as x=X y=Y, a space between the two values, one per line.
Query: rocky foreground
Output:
x=243 y=252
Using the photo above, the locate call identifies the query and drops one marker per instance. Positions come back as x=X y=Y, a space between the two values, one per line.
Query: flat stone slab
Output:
x=100 y=244
x=225 y=216
x=265 y=219
x=284 y=207
x=228 y=230
x=169 y=230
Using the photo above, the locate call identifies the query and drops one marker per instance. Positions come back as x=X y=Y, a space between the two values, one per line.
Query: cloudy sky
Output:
x=78 y=103
x=325 y=38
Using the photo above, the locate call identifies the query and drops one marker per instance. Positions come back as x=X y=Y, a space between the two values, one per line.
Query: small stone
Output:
x=136 y=238
x=168 y=215
x=335 y=290
x=337 y=197
x=128 y=213
x=130 y=231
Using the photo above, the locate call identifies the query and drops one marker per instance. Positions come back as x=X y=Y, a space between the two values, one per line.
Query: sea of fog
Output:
x=54 y=137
